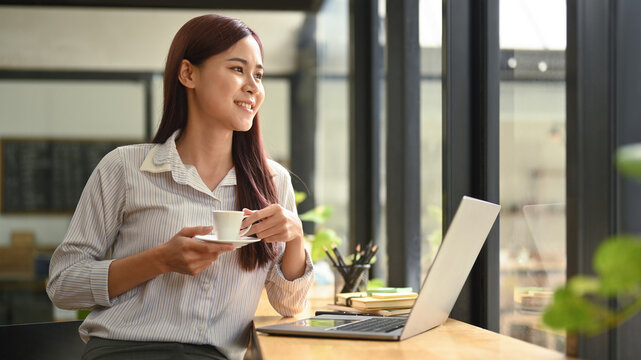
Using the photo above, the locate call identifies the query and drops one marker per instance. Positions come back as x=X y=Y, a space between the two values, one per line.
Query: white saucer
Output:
x=238 y=242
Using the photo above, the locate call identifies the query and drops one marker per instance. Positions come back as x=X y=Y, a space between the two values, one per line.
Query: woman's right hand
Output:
x=186 y=255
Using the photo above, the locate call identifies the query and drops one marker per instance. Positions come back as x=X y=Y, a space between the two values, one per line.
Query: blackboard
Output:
x=47 y=175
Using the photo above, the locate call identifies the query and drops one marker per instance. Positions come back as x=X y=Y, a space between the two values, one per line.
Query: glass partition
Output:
x=430 y=38
x=332 y=129
x=532 y=166
x=40 y=112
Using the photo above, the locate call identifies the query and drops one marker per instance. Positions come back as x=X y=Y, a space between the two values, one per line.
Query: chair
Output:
x=41 y=341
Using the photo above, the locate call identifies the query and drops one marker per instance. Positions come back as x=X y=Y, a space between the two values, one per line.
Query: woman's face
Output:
x=228 y=88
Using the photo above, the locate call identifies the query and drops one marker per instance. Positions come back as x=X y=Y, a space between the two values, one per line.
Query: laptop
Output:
x=443 y=283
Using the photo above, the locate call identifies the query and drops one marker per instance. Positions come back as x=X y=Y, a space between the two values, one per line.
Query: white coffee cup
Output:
x=227 y=224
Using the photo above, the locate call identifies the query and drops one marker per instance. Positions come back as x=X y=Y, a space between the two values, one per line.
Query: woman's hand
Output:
x=182 y=254
x=279 y=224
x=276 y=224
x=186 y=255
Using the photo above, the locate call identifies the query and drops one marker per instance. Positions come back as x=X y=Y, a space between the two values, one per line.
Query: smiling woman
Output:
x=227 y=88
x=163 y=288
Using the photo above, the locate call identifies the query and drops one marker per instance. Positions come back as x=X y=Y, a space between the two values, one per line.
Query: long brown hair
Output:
x=199 y=39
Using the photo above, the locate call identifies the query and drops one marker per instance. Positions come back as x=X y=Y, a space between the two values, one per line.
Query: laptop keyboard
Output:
x=378 y=325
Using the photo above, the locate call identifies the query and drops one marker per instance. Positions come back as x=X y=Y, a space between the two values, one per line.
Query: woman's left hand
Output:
x=276 y=224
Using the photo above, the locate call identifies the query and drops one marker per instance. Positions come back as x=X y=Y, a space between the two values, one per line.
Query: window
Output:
x=532 y=165
x=430 y=33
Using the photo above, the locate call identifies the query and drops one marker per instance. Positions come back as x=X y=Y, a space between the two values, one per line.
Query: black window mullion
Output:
x=471 y=140
x=366 y=72
x=485 y=274
x=303 y=118
x=403 y=144
x=590 y=145
x=603 y=53
x=628 y=108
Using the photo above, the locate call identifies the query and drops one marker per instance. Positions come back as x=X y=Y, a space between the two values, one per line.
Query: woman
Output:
x=168 y=296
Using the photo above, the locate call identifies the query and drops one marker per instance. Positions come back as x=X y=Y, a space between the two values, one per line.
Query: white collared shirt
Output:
x=139 y=197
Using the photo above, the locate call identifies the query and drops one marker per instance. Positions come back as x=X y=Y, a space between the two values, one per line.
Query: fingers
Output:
x=201 y=255
x=218 y=248
x=196 y=268
x=187 y=255
x=280 y=226
x=268 y=227
x=210 y=248
x=260 y=214
x=195 y=230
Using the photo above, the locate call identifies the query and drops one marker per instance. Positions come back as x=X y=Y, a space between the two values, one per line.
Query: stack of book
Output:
x=383 y=302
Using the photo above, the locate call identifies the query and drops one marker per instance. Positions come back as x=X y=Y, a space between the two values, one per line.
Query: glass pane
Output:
x=332 y=130
x=54 y=109
x=532 y=166
x=430 y=35
x=275 y=116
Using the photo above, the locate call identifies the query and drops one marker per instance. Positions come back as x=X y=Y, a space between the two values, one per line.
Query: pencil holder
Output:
x=350 y=278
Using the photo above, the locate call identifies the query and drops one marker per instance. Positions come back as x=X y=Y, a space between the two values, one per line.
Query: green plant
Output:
x=582 y=305
x=323 y=237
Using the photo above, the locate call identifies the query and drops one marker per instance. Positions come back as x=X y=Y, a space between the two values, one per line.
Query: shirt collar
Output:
x=164 y=157
x=229 y=179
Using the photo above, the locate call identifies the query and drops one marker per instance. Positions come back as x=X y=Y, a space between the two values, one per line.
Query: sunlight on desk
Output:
x=454 y=340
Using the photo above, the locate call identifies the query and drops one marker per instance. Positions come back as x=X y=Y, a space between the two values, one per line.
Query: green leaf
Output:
x=319 y=214
x=323 y=238
x=628 y=159
x=574 y=313
x=299 y=197
x=581 y=285
x=618 y=263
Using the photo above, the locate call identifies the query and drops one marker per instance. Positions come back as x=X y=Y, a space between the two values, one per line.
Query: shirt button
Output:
x=201 y=327
x=207 y=286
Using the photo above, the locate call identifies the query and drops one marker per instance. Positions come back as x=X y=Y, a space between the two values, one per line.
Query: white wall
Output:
x=124 y=39
x=65 y=110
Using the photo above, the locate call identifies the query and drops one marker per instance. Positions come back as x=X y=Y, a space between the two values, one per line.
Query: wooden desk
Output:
x=454 y=340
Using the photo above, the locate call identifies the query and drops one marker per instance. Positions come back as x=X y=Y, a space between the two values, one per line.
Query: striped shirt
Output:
x=138 y=197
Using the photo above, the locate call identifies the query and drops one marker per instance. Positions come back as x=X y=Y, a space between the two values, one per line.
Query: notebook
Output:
x=442 y=284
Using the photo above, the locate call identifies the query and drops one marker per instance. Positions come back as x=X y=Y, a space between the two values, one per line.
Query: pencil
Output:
x=339 y=257
x=358 y=248
x=340 y=269
x=352 y=267
x=330 y=256
x=367 y=250
x=369 y=256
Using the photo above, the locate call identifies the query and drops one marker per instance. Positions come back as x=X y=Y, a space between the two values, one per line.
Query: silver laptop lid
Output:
x=456 y=256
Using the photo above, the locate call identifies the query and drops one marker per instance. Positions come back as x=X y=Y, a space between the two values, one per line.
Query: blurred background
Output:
x=77 y=81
